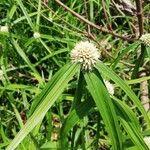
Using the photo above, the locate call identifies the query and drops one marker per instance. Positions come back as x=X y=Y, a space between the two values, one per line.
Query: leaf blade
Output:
x=105 y=107
x=114 y=77
x=50 y=97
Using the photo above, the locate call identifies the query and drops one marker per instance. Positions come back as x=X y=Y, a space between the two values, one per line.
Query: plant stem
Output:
x=140 y=59
x=100 y=28
x=140 y=16
x=139 y=62
x=86 y=13
x=78 y=93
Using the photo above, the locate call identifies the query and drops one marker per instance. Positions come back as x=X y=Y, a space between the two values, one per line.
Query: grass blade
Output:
x=105 y=107
x=130 y=123
x=48 y=96
x=73 y=118
x=114 y=77
x=148 y=52
x=25 y=13
x=26 y=59
x=132 y=47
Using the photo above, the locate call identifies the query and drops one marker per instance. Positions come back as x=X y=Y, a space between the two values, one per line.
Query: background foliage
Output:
x=52 y=102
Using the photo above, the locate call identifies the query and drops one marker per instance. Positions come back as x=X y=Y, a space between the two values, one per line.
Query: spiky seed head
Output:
x=36 y=35
x=109 y=87
x=145 y=38
x=86 y=54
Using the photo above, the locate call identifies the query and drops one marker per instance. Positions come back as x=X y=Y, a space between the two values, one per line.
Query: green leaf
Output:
x=47 y=97
x=148 y=51
x=14 y=87
x=130 y=123
x=73 y=118
x=25 y=13
x=134 y=135
x=26 y=59
x=114 y=77
x=12 y=11
x=106 y=108
x=139 y=80
x=38 y=15
x=50 y=146
x=132 y=47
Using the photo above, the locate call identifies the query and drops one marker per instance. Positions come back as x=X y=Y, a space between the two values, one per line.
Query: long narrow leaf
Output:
x=48 y=96
x=106 y=108
x=132 y=47
x=26 y=59
x=73 y=118
x=25 y=13
x=130 y=123
x=114 y=77
x=148 y=52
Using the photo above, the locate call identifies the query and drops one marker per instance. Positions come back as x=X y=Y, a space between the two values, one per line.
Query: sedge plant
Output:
x=90 y=72
x=37 y=78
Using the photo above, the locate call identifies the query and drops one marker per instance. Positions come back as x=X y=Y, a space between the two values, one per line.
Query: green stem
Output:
x=139 y=62
x=79 y=91
x=97 y=133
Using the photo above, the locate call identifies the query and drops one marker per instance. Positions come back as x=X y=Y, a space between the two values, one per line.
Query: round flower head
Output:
x=4 y=28
x=86 y=54
x=145 y=38
x=36 y=35
x=109 y=87
x=1 y=74
x=147 y=140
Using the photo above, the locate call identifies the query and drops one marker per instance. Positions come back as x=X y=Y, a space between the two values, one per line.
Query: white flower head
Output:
x=4 y=29
x=109 y=87
x=1 y=74
x=145 y=38
x=86 y=54
x=147 y=140
x=36 y=35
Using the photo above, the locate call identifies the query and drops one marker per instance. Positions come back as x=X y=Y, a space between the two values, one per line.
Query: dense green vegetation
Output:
x=47 y=101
